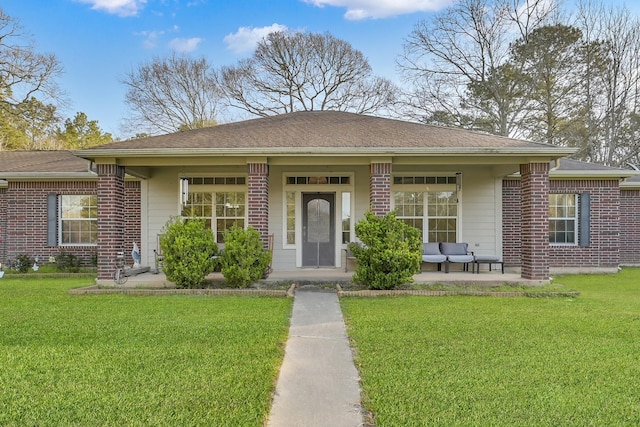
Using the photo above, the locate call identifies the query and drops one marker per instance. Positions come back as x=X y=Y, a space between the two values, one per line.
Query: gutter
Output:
x=586 y=174
x=333 y=151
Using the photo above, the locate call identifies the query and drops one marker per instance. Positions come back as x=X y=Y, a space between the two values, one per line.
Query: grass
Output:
x=468 y=361
x=114 y=360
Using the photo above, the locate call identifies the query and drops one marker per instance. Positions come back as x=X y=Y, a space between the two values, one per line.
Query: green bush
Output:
x=244 y=259
x=188 y=247
x=390 y=253
x=68 y=262
x=23 y=263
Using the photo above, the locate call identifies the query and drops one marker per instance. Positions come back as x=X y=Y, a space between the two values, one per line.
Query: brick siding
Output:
x=511 y=223
x=605 y=224
x=380 y=188
x=630 y=227
x=23 y=209
x=3 y=225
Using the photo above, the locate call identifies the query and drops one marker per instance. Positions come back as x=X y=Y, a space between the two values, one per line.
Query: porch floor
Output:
x=338 y=275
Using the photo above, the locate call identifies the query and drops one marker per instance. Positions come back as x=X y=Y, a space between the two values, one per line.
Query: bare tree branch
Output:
x=302 y=72
x=170 y=94
x=24 y=73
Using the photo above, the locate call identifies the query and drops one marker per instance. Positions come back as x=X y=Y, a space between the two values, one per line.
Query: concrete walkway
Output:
x=318 y=383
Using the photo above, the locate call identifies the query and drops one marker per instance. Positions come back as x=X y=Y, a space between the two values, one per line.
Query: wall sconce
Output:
x=458 y=181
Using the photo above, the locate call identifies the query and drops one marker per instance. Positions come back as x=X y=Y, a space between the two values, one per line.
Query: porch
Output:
x=338 y=275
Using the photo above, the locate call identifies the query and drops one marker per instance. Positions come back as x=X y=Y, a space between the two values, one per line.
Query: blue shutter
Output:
x=585 y=219
x=52 y=219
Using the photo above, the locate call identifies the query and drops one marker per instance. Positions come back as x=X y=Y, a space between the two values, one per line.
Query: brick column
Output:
x=380 y=188
x=258 y=208
x=535 y=221
x=3 y=226
x=111 y=213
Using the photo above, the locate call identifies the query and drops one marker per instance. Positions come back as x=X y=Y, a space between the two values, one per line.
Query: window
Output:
x=199 y=205
x=437 y=210
x=310 y=180
x=230 y=211
x=220 y=210
x=291 y=218
x=442 y=209
x=410 y=207
x=563 y=219
x=78 y=220
x=346 y=217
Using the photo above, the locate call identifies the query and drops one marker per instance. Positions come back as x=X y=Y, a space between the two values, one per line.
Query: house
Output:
x=307 y=177
x=48 y=205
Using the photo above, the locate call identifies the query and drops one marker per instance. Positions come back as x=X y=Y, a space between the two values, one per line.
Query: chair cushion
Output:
x=453 y=248
x=487 y=258
x=431 y=249
x=460 y=258
x=434 y=258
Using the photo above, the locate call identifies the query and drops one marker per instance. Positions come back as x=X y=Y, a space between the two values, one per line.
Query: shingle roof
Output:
x=62 y=161
x=577 y=165
x=322 y=129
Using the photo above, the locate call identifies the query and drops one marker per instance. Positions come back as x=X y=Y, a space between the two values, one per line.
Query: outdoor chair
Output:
x=431 y=254
x=456 y=252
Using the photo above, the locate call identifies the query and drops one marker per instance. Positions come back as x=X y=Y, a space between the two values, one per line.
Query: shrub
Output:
x=188 y=247
x=23 y=263
x=68 y=262
x=244 y=259
x=390 y=254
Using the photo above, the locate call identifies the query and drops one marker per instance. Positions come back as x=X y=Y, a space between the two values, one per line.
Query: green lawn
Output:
x=483 y=361
x=114 y=360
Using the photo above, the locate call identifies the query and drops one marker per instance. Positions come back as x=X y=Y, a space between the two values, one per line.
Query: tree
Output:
x=455 y=63
x=171 y=94
x=611 y=84
x=82 y=133
x=24 y=73
x=295 y=71
x=32 y=128
x=551 y=62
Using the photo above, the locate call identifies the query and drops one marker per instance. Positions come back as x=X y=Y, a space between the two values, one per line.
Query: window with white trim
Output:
x=428 y=203
x=78 y=218
x=346 y=217
x=218 y=201
x=291 y=217
x=434 y=213
x=563 y=219
x=442 y=216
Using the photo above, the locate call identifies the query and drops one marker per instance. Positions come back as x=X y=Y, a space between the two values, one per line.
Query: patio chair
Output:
x=456 y=252
x=431 y=253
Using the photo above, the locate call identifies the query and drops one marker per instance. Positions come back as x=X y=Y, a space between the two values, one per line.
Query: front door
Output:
x=318 y=229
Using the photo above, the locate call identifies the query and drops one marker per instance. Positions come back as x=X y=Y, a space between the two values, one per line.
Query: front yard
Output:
x=117 y=359
x=113 y=360
x=502 y=361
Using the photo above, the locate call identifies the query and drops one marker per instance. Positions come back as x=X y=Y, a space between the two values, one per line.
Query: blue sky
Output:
x=99 y=41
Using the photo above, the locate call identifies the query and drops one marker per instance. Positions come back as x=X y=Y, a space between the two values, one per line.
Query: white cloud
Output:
x=117 y=7
x=150 y=38
x=185 y=45
x=246 y=38
x=363 y=9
